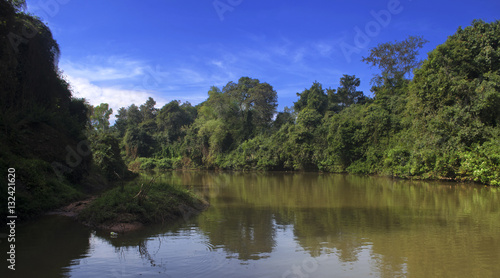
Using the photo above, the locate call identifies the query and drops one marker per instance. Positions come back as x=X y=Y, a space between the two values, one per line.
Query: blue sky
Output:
x=122 y=52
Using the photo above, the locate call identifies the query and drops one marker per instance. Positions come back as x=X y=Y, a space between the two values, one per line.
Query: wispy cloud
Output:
x=96 y=68
x=121 y=82
x=114 y=96
x=217 y=63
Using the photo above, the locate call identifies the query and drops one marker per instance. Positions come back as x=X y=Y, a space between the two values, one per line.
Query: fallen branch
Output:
x=143 y=192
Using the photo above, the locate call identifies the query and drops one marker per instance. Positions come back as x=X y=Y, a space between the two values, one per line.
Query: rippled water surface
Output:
x=285 y=225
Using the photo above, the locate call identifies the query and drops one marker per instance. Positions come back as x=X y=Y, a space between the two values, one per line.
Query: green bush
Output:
x=38 y=189
x=161 y=204
x=147 y=163
x=397 y=161
x=483 y=163
x=164 y=163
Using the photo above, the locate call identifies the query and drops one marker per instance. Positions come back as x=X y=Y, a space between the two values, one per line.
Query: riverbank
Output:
x=134 y=206
x=73 y=209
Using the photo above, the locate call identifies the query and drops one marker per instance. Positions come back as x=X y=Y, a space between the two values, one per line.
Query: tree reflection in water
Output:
x=390 y=227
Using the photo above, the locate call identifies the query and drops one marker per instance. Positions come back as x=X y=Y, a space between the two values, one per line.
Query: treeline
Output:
x=44 y=129
x=436 y=119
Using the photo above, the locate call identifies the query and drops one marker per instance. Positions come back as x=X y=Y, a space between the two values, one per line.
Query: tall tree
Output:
x=313 y=98
x=99 y=119
x=464 y=71
x=134 y=116
x=262 y=102
x=256 y=102
x=395 y=59
x=172 y=117
x=283 y=118
x=121 y=122
x=148 y=109
x=347 y=92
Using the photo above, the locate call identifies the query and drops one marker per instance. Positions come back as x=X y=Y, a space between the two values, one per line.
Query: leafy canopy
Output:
x=395 y=59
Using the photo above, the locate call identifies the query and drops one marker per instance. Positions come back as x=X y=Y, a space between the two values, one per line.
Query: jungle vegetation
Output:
x=432 y=119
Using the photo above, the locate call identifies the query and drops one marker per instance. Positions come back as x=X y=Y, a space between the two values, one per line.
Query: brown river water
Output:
x=284 y=225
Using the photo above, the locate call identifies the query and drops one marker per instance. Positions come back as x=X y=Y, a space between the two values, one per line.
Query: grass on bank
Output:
x=37 y=188
x=158 y=202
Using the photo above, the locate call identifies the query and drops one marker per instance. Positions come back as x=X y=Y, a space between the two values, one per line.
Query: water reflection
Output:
x=298 y=224
x=46 y=248
x=417 y=227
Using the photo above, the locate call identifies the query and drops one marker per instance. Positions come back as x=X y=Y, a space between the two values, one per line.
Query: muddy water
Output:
x=285 y=225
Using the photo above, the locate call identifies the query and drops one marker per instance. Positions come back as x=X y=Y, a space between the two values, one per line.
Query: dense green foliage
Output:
x=455 y=106
x=437 y=118
x=162 y=203
x=433 y=119
x=42 y=124
x=45 y=130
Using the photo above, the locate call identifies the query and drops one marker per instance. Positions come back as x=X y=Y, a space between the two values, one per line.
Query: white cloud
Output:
x=117 y=97
x=114 y=96
x=217 y=63
x=190 y=76
x=120 y=82
x=104 y=69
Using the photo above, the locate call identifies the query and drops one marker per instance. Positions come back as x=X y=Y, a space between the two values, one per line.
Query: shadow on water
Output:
x=44 y=248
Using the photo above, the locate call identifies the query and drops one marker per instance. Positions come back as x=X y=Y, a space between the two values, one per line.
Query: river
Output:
x=284 y=225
